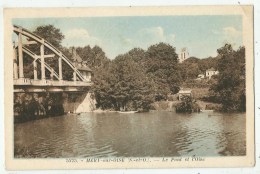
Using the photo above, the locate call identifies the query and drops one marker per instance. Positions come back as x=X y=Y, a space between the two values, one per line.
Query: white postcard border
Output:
x=21 y=164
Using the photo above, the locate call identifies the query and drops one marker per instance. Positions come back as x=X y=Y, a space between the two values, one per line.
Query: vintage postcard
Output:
x=129 y=87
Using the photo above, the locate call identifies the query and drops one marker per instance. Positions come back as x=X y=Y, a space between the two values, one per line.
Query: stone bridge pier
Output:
x=31 y=106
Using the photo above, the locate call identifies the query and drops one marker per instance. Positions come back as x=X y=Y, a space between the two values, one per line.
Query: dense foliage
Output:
x=124 y=86
x=54 y=36
x=51 y=34
x=134 y=80
x=192 y=67
x=185 y=106
x=229 y=88
x=161 y=67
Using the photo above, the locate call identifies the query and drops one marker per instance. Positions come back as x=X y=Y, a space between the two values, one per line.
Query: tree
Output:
x=138 y=55
x=161 y=67
x=192 y=60
x=86 y=54
x=51 y=34
x=185 y=106
x=123 y=86
x=136 y=89
x=103 y=81
x=230 y=85
x=95 y=57
x=189 y=69
x=55 y=37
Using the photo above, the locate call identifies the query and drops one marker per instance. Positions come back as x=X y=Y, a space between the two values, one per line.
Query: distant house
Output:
x=210 y=72
x=183 y=55
x=81 y=65
x=185 y=92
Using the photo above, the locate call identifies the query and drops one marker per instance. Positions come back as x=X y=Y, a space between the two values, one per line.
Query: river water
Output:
x=154 y=134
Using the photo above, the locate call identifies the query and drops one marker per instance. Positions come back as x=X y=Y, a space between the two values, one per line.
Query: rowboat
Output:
x=206 y=110
x=127 y=112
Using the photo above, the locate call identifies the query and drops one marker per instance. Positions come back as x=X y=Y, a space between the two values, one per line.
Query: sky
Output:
x=201 y=35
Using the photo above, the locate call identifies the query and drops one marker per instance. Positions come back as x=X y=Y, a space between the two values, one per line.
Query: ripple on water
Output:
x=145 y=134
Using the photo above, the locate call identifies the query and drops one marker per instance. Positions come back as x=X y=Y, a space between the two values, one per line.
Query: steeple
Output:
x=183 y=55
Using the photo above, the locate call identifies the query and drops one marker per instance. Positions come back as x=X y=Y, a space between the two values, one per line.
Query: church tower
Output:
x=183 y=55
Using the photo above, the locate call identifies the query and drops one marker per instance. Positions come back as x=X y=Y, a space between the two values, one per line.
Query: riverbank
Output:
x=209 y=105
x=165 y=105
x=103 y=111
x=33 y=107
x=199 y=104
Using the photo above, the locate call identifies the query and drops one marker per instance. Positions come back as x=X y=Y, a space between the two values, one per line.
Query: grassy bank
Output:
x=165 y=105
x=208 y=105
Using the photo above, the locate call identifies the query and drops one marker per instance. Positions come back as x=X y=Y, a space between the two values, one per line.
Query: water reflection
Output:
x=153 y=134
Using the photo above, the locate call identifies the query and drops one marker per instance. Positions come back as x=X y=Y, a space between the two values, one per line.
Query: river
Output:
x=154 y=134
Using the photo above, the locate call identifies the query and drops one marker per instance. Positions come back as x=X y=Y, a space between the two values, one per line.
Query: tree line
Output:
x=134 y=80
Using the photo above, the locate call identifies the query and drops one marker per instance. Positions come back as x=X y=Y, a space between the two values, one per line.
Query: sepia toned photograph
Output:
x=149 y=87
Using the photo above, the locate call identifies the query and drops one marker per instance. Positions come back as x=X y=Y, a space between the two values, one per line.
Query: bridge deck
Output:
x=30 y=85
x=28 y=82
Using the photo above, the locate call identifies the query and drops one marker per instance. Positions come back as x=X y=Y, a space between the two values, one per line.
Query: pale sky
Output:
x=202 y=35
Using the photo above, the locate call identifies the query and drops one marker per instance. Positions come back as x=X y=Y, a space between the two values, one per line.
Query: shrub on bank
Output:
x=185 y=106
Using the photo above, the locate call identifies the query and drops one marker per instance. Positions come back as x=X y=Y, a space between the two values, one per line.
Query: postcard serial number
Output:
x=70 y=160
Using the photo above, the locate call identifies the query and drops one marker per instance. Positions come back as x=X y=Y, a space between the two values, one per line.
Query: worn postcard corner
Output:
x=121 y=87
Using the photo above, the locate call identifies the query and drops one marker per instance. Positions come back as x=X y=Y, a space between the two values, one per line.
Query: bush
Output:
x=185 y=106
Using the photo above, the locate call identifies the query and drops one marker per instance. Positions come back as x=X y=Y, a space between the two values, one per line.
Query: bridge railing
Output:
x=22 y=81
x=41 y=82
x=46 y=82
